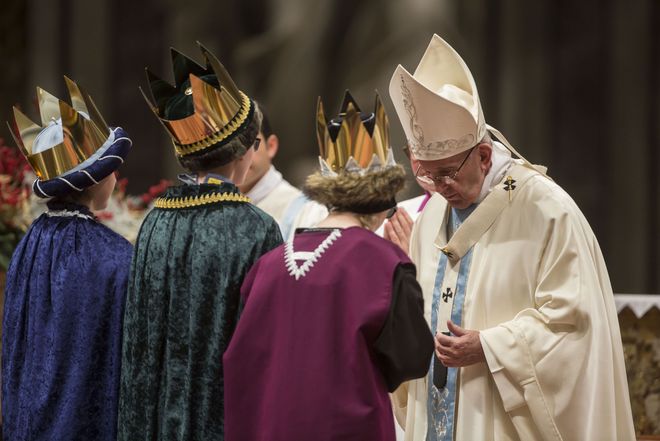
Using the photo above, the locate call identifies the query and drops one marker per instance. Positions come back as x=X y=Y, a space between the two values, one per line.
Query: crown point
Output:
x=348 y=99
x=220 y=109
x=183 y=66
x=358 y=145
x=321 y=128
x=48 y=105
x=77 y=96
x=220 y=72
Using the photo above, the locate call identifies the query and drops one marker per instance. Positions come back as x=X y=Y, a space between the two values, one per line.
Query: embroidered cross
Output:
x=447 y=295
x=508 y=185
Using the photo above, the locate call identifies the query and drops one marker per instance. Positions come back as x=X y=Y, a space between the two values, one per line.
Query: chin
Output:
x=459 y=205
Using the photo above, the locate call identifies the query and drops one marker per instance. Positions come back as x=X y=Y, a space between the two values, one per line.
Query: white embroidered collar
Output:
x=310 y=258
x=68 y=213
x=502 y=160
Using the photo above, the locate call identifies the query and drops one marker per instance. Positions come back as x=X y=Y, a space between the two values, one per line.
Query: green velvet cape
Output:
x=181 y=310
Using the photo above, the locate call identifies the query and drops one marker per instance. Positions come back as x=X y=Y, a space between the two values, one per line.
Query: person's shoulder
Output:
x=311 y=213
x=285 y=190
x=436 y=203
x=363 y=239
x=433 y=212
x=112 y=241
x=258 y=216
x=546 y=194
x=544 y=200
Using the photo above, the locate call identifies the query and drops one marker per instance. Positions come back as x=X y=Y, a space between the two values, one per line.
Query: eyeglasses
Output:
x=447 y=179
x=257 y=142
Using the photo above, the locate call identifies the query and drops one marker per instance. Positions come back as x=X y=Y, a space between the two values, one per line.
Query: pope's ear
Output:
x=272 y=145
x=485 y=152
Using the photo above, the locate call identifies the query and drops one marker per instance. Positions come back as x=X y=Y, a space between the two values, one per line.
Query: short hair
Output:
x=266 y=128
x=211 y=158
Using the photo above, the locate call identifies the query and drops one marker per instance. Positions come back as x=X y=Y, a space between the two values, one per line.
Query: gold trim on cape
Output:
x=196 y=201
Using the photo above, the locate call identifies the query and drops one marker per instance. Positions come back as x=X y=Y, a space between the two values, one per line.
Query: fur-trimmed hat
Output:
x=358 y=173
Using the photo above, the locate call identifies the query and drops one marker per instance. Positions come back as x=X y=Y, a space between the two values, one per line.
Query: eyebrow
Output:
x=442 y=170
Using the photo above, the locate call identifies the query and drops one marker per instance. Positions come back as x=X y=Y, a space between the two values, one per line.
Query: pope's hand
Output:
x=398 y=229
x=463 y=348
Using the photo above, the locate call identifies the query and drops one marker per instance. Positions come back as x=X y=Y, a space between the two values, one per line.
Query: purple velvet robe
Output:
x=301 y=364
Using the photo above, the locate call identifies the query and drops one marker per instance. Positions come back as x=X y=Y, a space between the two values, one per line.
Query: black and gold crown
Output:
x=219 y=111
x=356 y=141
x=358 y=172
x=83 y=132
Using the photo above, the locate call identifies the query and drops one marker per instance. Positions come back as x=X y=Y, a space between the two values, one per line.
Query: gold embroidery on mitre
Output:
x=82 y=136
x=353 y=139
x=219 y=111
x=196 y=201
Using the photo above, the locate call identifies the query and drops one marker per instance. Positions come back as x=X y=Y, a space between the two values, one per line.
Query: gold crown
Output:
x=219 y=111
x=353 y=145
x=83 y=135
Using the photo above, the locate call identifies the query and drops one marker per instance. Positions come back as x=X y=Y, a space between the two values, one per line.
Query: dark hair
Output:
x=266 y=128
x=180 y=105
x=211 y=157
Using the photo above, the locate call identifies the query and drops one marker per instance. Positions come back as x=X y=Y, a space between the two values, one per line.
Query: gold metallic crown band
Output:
x=353 y=139
x=83 y=131
x=224 y=133
x=196 y=201
x=220 y=108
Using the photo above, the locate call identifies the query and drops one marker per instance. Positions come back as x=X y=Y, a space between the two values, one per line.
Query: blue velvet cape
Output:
x=61 y=345
x=181 y=310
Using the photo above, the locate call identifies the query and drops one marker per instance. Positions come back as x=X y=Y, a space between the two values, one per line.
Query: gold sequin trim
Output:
x=196 y=201
x=224 y=133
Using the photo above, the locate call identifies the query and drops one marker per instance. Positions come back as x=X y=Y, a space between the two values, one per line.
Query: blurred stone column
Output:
x=13 y=49
x=629 y=201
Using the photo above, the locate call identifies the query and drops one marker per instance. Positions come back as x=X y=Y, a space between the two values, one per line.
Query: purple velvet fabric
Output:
x=301 y=364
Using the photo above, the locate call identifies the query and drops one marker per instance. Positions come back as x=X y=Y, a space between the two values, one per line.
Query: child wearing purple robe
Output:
x=333 y=319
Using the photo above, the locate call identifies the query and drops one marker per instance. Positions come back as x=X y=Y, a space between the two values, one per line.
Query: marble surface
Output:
x=641 y=345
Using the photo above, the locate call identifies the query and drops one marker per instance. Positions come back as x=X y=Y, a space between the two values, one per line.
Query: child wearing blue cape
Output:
x=66 y=283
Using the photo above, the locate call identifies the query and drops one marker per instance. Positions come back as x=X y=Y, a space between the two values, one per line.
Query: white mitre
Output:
x=439 y=105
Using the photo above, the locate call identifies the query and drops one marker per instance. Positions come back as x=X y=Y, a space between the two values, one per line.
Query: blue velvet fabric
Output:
x=61 y=346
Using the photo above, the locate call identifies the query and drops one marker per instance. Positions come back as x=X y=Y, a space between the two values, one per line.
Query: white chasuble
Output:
x=285 y=203
x=537 y=289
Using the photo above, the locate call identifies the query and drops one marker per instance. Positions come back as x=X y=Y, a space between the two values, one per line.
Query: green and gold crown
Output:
x=357 y=142
x=219 y=111
x=83 y=132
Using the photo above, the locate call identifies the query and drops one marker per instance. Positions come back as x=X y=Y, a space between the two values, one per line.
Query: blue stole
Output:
x=286 y=225
x=441 y=403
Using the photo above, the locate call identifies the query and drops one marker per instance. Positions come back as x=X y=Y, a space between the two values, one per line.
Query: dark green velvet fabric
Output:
x=181 y=310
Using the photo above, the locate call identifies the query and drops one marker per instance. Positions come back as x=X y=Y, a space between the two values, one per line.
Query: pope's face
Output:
x=463 y=189
x=414 y=165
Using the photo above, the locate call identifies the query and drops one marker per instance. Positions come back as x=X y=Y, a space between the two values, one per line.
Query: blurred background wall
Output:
x=573 y=85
